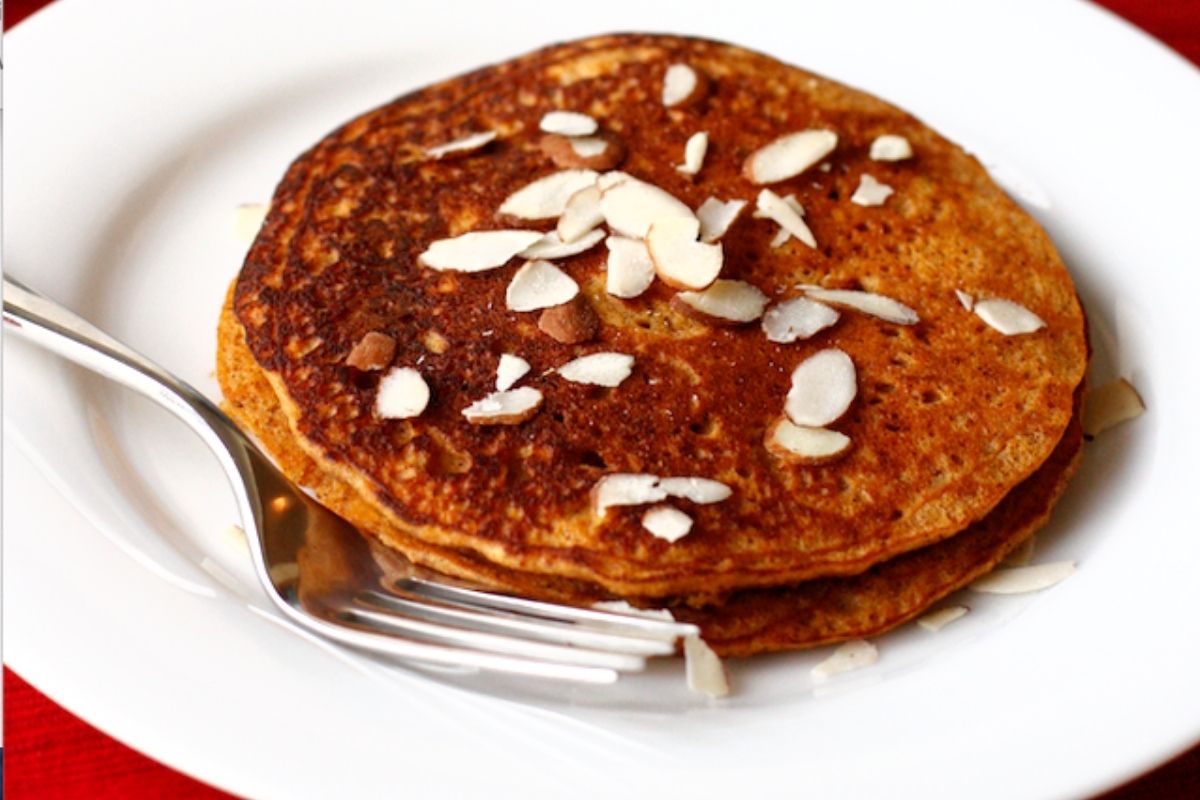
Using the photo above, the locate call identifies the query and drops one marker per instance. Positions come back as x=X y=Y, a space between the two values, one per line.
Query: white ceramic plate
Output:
x=135 y=129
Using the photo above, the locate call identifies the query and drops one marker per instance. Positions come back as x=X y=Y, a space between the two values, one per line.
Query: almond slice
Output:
x=850 y=656
x=936 y=620
x=631 y=206
x=667 y=523
x=611 y=178
x=402 y=394
x=805 y=445
x=693 y=153
x=877 y=305
x=568 y=123
x=581 y=215
x=967 y=301
x=539 y=284
x=724 y=301
x=373 y=352
x=792 y=203
x=570 y=323
x=705 y=672
x=625 y=489
x=248 y=218
x=716 y=217
x=466 y=144
x=823 y=387
x=510 y=370
x=682 y=86
x=510 y=407
x=890 y=147
x=630 y=270
x=623 y=607
x=788 y=156
x=551 y=246
x=698 y=490
x=1019 y=580
x=870 y=192
x=786 y=215
x=1011 y=319
x=680 y=260
x=546 y=197
x=598 y=369
x=477 y=251
x=600 y=152
x=1109 y=405
x=798 y=318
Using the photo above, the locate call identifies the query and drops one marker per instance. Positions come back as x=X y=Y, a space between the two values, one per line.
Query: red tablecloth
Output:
x=48 y=753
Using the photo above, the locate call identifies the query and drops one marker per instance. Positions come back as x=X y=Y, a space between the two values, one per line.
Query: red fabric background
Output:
x=48 y=753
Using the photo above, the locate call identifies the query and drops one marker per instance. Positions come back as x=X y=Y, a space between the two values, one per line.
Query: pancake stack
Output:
x=664 y=320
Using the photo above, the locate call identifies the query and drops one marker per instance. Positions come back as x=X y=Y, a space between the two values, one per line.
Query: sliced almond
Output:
x=1109 y=405
x=598 y=369
x=539 y=284
x=568 y=123
x=466 y=144
x=510 y=407
x=788 y=156
x=631 y=206
x=805 y=445
x=600 y=152
x=705 y=672
x=402 y=394
x=693 y=153
x=610 y=179
x=823 y=387
x=698 y=490
x=936 y=620
x=667 y=523
x=572 y=322
x=623 y=607
x=680 y=260
x=792 y=203
x=877 y=305
x=510 y=370
x=373 y=352
x=477 y=251
x=967 y=301
x=798 y=318
x=546 y=197
x=630 y=270
x=683 y=86
x=870 y=192
x=1011 y=319
x=848 y=657
x=737 y=302
x=625 y=489
x=785 y=215
x=1019 y=580
x=890 y=147
x=581 y=214
x=248 y=219
x=551 y=246
x=716 y=217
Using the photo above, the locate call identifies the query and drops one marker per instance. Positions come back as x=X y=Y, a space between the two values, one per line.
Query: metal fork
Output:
x=318 y=570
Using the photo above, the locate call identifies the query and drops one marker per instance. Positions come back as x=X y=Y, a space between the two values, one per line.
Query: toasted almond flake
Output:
x=1109 y=405
x=402 y=394
x=667 y=523
x=870 y=192
x=539 y=284
x=546 y=197
x=551 y=246
x=623 y=607
x=805 y=445
x=936 y=620
x=789 y=156
x=625 y=489
x=477 y=251
x=792 y=203
x=1019 y=580
x=679 y=259
x=611 y=178
x=1022 y=556
x=877 y=305
x=581 y=214
x=780 y=238
x=726 y=301
x=716 y=217
x=698 y=490
x=510 y=370
x=680 y=84
x=598 y=369
x=693 y=153
x=509 y=407
x=778 y=210
x=572 y=322
x=890 y=147
x=823 y=387
x=466 y=144
x=798 y=318
x=631 y=206
x=374 y=351
x=600 y=152
x=705 y=672
x=967 y=301
x=247 y=219
x=848 y=657
x=630 y=270
x=568 y=123
x=1011 y=319
x=588 y=146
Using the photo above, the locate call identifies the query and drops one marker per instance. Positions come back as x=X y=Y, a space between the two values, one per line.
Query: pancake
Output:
x=950 y=416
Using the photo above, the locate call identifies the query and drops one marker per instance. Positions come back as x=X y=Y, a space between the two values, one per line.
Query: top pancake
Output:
x=949 y=417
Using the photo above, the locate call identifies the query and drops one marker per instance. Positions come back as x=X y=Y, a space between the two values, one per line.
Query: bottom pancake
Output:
x=742 y=623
